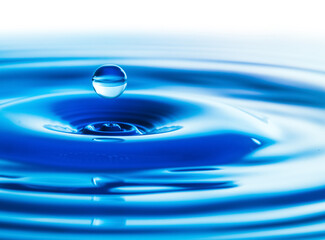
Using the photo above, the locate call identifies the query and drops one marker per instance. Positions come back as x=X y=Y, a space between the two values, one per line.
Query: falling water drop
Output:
x=109 y=81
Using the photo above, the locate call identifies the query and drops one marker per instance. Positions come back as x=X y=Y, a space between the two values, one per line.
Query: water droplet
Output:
x=109 y=81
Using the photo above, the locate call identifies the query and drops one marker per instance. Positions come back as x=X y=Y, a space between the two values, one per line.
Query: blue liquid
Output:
x=111 y=129
x=109 y=81
x=204 y=148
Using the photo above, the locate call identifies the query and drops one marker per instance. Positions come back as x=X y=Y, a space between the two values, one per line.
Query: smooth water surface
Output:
x=215 y=141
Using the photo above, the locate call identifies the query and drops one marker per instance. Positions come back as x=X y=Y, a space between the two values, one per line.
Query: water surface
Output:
x=228 y=141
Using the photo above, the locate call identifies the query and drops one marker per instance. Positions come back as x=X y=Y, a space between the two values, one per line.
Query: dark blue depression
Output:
x=55 y=131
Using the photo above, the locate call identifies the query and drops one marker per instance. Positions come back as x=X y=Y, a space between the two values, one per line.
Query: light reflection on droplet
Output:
x=109 y=81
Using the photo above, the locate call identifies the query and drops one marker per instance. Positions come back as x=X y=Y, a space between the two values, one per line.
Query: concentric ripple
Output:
x=194 y=148
x=162 y=127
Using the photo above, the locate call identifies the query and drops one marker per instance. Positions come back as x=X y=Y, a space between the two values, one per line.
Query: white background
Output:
x=244 y=17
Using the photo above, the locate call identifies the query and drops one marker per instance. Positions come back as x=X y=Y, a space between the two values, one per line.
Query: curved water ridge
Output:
x=219 y=149
x=157 y=130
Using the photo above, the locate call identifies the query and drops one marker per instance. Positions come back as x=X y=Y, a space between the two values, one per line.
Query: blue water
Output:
x=222 y=140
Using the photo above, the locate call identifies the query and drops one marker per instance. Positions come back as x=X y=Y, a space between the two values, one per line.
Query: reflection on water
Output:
x=226 y=146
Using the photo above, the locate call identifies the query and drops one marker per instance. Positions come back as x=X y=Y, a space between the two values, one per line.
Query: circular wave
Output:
x=227 y=150
x=54 y=126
